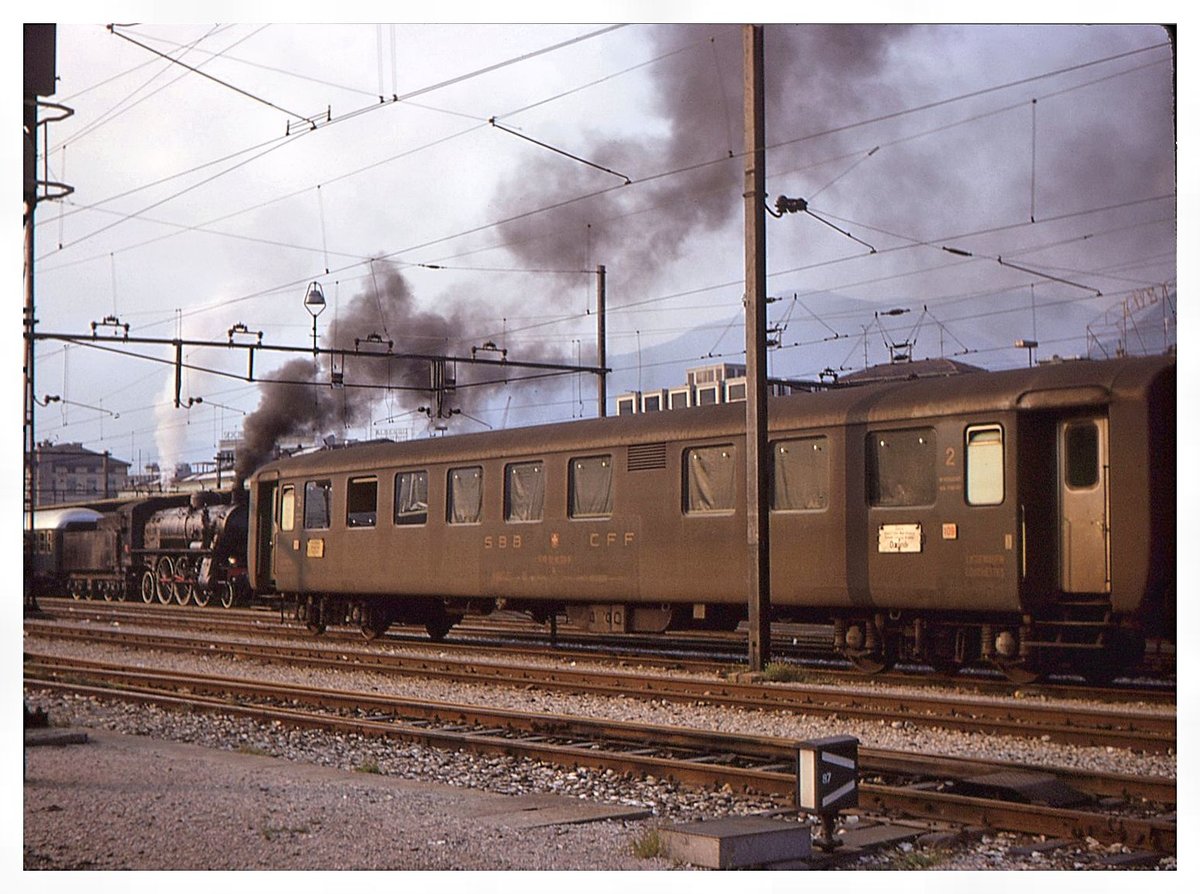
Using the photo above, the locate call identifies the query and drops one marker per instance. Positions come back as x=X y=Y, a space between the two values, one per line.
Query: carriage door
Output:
x=1083 y=505
x=264 y=536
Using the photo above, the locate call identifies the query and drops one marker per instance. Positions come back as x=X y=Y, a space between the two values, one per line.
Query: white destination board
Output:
x=899 y=538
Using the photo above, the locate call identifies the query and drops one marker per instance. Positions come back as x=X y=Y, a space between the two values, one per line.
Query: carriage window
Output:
x=318 y=498
x=464 y=495
x=412 y=498
x=524 y=491
x=361 y=501
x=800 y=474
x=287 y=508
x=711 y=479
x=985 y=465
x=901 y=467
x=1083 y=454
x=591 y=487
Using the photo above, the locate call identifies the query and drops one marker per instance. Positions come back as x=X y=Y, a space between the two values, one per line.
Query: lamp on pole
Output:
x=1029 y=345
x=314 y=303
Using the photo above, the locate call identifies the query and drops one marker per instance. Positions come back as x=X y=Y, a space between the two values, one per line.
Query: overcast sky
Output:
x=450 y=185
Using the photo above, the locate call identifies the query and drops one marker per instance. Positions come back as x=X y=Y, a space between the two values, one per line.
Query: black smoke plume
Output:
x=820 y=74
x=300 y=401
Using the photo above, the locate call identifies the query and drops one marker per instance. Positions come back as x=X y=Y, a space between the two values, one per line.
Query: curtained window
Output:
x=711 y=484
x=800 y=474
x=591 y=487
x=412 y=498
x=464 y=495
x=318 y=502
x=524 y=491
x=901 y=467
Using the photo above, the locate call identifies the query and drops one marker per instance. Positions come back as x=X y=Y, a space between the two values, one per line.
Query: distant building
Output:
x=725 y=383
x=68 y=473
x=716 y=383
x=932 y=368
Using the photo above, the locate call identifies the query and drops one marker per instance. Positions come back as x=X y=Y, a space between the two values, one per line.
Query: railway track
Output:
x=712 y=653
x=1078 y=725
x=913 y=785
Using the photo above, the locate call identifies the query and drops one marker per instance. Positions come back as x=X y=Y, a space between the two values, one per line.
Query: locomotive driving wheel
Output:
x=184 y=583
x=164 y=570
x=149 y=586
x=201 y=594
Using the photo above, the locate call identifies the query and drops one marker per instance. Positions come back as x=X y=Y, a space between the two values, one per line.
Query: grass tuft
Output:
x=648 y=845
x=781 y=672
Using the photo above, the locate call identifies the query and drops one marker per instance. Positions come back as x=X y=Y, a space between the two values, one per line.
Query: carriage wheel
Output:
x=872 y=662
x=106 y=591
x=375 y=622
x=165 y=584
x=227 y=595
x=437 y=628
x=1018 y=671
x=149 y=586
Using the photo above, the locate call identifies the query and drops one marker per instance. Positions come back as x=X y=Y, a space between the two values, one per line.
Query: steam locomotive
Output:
x=170 y=548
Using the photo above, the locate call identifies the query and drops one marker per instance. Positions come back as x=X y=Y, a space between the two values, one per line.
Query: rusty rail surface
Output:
x=690 y=757
x=695 y=651
x=1076 y=725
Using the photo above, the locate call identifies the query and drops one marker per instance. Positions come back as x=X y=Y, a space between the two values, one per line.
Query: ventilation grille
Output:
x=645 y=457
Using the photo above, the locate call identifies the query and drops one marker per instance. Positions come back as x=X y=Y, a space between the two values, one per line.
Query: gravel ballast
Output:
x=291 y=824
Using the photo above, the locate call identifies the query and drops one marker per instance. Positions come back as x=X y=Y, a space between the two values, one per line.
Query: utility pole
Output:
x=758 y=554
x=40 y=70
x=601 y=349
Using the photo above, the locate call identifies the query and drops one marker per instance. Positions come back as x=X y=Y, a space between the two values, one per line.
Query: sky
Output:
x=451 y=186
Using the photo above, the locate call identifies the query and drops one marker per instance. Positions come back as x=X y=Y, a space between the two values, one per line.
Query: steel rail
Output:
x=716 y=759
x=1103 y=727
x=1159 y=790
x=679 y=650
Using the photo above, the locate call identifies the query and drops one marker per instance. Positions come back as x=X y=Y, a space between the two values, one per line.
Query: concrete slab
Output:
x=532 y=811
x=737 y=842
x=879 y=836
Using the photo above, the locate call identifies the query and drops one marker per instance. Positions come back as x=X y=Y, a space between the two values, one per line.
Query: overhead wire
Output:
x=411 y=94
x=580 y=198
